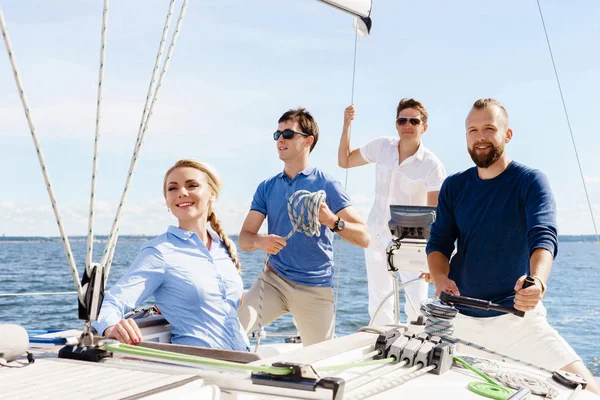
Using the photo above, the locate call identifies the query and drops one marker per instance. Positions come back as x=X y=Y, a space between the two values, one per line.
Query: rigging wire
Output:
x=564 y=104
x=111 y=243
x=90 y=239
x=40 y=155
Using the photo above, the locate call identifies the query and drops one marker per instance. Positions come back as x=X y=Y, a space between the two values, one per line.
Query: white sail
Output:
x=361 y=9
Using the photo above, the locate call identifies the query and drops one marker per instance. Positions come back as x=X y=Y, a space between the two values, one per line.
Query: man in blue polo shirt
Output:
x=502 y=216
x=299 y=274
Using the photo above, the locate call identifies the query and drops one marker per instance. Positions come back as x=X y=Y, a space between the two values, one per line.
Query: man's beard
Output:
x=486 y=160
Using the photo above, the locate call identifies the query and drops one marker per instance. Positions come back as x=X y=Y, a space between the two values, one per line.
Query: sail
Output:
x=361 y=9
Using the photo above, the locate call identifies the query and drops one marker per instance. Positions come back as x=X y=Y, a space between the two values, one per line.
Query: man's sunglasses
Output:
x=404 y=120
x=287 y=134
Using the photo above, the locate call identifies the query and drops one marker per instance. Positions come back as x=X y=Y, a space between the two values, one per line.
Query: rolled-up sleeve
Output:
x=143 y=277
x=372 y=150
x=540 y=211
x=444 y=230
x=435 y=177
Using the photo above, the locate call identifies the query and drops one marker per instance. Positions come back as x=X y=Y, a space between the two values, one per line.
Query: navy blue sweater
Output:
x=496 y=225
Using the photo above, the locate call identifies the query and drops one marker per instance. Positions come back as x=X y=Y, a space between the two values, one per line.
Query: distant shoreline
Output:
x=561 y=238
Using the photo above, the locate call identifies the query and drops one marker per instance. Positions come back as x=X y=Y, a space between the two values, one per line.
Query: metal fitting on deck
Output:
x=441 y=356
x=385 y=341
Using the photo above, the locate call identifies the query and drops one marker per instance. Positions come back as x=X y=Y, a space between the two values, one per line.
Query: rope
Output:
x=90 y=239
x=467 y=365
x=412 y=373
x=40 y=155
x=564 y=104
x=339 y=263
x=353 y=363
x=147 y=113
x=439 y=323
x=390 y=294
x=371 y=375
x=303 y=211
x=515 y=381
x=371 y=329
x=36 y=294
x=176 y=357
x=368 y=363
x=16 y=364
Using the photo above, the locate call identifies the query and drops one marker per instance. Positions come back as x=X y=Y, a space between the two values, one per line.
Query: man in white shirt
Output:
x=406 y=174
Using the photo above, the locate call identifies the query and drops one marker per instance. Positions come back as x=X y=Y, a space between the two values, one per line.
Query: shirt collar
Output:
x=306 y=171
x=185 y=235
x=419 y=154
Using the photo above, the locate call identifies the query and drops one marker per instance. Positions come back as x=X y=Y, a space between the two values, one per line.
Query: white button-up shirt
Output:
x=406 y=184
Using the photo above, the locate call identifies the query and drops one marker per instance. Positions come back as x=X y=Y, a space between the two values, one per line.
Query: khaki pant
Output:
x=311 y=307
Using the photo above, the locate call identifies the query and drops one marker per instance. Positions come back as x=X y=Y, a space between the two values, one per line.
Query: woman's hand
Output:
x=125 y=331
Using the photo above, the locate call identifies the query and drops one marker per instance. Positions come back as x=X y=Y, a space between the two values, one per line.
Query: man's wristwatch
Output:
x=339 y=225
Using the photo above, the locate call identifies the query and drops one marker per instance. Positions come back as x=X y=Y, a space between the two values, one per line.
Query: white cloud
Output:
x=7 y=205
x=577 y=220
x=591 y=179
x=139 y=218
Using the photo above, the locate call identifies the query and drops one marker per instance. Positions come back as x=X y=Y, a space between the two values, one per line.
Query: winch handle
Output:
x=478 y=303
x=529 y=281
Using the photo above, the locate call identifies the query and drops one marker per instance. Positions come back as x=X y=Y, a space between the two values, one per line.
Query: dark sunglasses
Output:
x=287 y=134
x=404 y=120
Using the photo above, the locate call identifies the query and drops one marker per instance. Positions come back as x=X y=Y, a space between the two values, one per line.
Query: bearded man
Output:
x=502 y=217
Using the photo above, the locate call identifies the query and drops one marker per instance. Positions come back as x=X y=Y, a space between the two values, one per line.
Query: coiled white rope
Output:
x=90 y=238
x=147 y=113
x=40 y=155
x=303 y=211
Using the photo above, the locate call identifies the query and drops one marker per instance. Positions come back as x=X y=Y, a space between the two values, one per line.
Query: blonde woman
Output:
x=192 y=270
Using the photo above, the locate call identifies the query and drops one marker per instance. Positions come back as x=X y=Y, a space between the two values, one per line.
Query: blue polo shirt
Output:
x=306 y=260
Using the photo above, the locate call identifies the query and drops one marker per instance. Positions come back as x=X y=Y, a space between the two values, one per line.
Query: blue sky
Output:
x=239 y=65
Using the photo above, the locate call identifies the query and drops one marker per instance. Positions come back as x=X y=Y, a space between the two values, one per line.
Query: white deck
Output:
x=64 y=379
x=128 y=378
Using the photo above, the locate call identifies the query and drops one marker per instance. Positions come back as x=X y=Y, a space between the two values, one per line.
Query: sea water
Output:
x=39 y=265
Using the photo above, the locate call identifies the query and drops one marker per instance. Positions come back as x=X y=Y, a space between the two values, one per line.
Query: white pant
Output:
x=380 y=284
x=530 y=338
